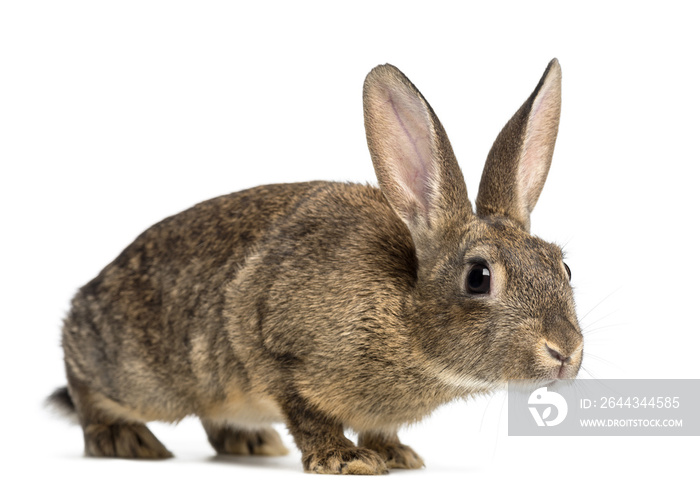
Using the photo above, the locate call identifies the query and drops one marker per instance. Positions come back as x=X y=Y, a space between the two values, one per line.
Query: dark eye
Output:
x=479 y=279
x=568 y=271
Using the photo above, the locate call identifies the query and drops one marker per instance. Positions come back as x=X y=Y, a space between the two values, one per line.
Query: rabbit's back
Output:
x=139 y=331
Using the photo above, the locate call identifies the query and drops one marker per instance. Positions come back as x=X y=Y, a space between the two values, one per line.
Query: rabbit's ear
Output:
x=413 y=159
x=519 y=160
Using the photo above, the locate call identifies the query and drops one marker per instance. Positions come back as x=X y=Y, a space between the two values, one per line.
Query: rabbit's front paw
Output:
x=395 y=454
x=400 y=456
x=347 y=461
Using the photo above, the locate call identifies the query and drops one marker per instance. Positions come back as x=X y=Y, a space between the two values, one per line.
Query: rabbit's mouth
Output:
x=565 y=372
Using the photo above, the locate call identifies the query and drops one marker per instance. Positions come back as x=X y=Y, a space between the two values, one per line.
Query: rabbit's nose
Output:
x=556 y=354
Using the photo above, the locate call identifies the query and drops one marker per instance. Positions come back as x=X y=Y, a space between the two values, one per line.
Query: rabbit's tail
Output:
x=61 y=402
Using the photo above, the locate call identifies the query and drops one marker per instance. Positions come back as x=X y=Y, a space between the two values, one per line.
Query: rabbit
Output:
x=332 y=306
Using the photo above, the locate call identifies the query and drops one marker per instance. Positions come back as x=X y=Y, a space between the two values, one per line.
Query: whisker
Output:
x=599 y=382
x=582 y=384
x=601 y=359
x=589 y=331
x=596 y=305
x=588 y=372
x=600 y=319
x=500 y=417
x=488 y=404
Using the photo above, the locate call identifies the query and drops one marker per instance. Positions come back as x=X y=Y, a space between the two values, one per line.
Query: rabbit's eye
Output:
x=479 y=279
x=568 y=271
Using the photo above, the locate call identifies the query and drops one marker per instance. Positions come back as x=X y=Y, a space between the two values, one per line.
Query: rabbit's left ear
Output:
x=519 y=160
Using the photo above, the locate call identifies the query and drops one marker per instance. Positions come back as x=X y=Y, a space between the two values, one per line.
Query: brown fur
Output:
x=327 y=305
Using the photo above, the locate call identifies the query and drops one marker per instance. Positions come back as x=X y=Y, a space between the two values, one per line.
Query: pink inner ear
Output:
x=411 y=135
x=538 y=145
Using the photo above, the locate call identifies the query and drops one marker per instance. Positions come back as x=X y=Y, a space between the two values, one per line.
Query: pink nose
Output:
x=554 y=353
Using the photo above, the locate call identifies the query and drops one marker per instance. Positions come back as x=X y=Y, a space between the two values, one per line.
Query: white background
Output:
x=114 y=115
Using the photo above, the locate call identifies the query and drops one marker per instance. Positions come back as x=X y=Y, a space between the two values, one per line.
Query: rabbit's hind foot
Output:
x=123 y=440
x=230 y=440
x=109 y=429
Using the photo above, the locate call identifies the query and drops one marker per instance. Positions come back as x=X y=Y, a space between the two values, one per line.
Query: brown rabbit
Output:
x=330 y=306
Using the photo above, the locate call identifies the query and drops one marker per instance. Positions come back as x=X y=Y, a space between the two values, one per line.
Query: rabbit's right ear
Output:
x=412 y=156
